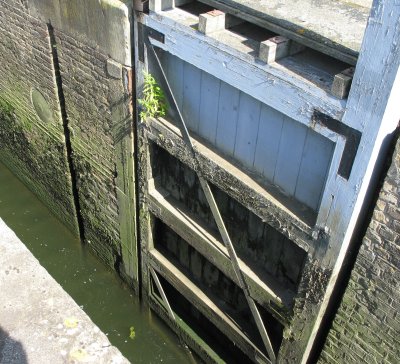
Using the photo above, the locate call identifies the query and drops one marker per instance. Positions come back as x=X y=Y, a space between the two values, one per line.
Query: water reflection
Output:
x=108 y=302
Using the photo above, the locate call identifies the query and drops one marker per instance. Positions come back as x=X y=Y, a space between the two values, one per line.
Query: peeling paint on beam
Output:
x=269 y=85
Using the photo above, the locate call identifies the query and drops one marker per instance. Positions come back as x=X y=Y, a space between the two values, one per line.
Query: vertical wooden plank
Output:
x=209 y=106
x=269 y=136
x=272 y=249
x=247 y=129
x=314 y=167
x=175 y=78
x=290 y=155
x=228 y=111
x=191 y=96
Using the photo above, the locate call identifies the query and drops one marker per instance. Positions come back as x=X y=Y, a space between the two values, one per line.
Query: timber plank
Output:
x=209 y=99
x=290 y=218
x=314 y=168
x=175 y=75
x=306 y=22
x=203 y=303
x=227 y=118
x=247 y=129
x=290 y=154
x=263 y=290
x=269 y=136
x=191 y=102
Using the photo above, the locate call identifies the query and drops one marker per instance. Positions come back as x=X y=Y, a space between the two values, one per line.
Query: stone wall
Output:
x=97 y=99
x=32 y=134
x=366 y=328
x=76 y=149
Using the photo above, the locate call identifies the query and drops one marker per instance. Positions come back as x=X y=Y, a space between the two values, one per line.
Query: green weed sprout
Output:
x=132 y=333
x=153 y=101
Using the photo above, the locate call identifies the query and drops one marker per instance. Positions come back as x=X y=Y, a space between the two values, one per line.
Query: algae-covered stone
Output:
x=41 y=106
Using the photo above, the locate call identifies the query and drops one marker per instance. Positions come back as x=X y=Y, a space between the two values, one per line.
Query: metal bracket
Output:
x=144 y=32
x=352 y=136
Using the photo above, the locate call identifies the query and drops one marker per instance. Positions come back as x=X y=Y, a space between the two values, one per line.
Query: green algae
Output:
x=108 y=302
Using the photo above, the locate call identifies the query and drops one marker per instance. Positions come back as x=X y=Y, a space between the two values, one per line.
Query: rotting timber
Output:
x=225 y=242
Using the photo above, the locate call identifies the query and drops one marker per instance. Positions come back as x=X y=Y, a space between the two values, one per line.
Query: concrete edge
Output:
x=39 y=321
x=105 y=24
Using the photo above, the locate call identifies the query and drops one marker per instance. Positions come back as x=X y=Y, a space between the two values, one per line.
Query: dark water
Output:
x=101 y=294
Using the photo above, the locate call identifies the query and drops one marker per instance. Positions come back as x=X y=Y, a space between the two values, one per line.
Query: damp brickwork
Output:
x=97 y=101
x=66 y=118
x=31 y=135
x=85 y=86
x=366 y=328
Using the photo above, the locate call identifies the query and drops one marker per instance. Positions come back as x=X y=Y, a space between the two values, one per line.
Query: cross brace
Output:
x=211 y=200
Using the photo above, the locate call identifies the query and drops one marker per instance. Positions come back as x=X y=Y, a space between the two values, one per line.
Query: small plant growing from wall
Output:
x=132 y=333
x=153 y=102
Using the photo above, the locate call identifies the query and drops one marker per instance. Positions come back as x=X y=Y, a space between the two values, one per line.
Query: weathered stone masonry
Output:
x=97 y=103
x=32 y=139
x=366 y=328
x=89 y=48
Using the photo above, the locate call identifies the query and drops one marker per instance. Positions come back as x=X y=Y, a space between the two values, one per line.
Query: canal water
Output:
x=108 y=302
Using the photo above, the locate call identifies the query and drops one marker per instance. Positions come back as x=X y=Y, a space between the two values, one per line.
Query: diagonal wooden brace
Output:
x=213 y=205
x=163 y=296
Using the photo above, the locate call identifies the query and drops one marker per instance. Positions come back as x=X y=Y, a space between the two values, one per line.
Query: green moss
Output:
x=10 y=111
x=6 y=108
x=197 y=339
x=143 y=216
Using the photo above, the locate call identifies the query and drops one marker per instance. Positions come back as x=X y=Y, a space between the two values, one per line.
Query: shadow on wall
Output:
x=11 y=351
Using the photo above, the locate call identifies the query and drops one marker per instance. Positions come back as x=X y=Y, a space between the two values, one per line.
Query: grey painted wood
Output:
x=314 y=167
x=175 y=76
x=247 y=129
x=290 y=154
x=269 y=136
x=191 y=101
x=293 y=217
x=209 y=98
x=227 y=118
x=258 y=136
x=372 y=108
x=306 y=23
x=270 y=85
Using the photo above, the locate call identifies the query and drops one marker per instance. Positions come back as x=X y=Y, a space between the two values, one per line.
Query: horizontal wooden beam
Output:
x=279 y=214
x=272 y=86
x=185 y=225
x=204 y=304
x=340 y=38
